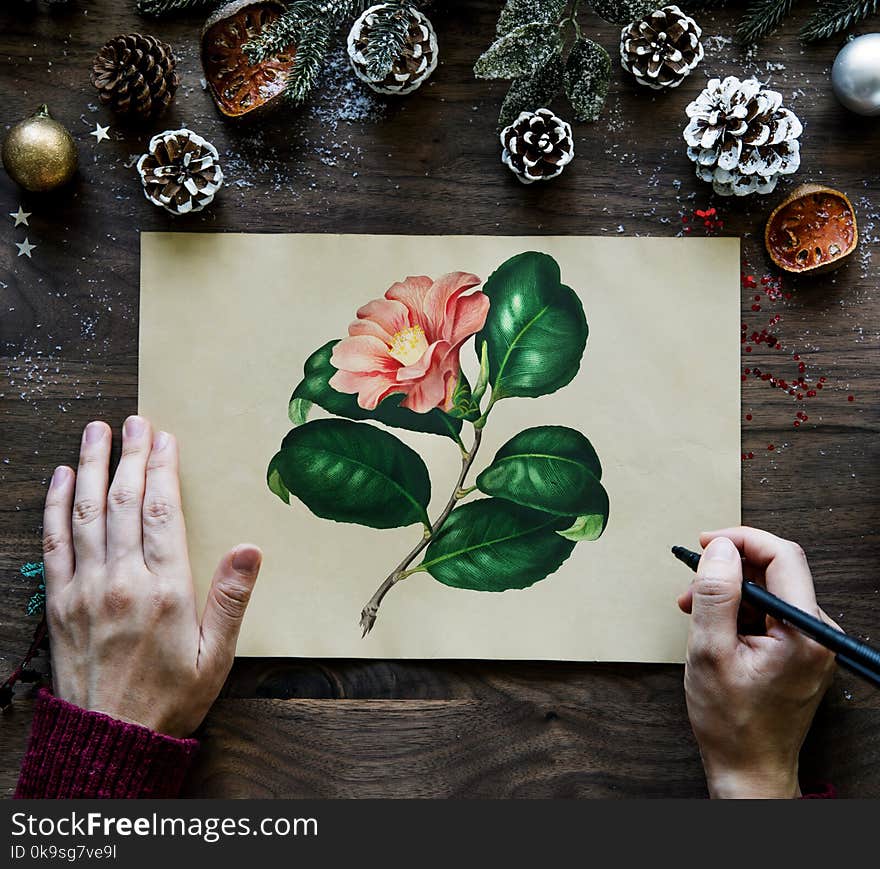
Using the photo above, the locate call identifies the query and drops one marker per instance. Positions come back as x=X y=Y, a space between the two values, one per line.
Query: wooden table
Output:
x=68 y=340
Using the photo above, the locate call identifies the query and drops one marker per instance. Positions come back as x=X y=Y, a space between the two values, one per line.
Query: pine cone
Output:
x=411 y=67
x=662 y=48
x=135 y=76
x=180 y=171
x=741 y=138
x=537 y=146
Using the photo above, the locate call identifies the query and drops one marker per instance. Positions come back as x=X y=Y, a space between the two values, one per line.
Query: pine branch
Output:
x=762 y=16
x=278 y=35
x=309 y=25
x=388 y=35
x=832 y=16
x=311 y=50
x=691 y=6
x=166 y=7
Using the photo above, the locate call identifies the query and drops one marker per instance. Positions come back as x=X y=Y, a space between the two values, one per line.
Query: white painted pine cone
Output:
x=537 y=146
x=662 y=48
x=415 y=64
x=741 y=138
x=180 y=171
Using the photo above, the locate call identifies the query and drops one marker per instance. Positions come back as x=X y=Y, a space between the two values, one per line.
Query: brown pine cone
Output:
x=662 y=48
x=135 y=75
x=537 y=146
x=180 y=171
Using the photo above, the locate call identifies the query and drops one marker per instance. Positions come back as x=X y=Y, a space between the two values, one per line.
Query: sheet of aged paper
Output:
x=226 y=324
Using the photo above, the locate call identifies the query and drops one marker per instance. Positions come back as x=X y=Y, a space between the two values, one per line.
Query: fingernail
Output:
x=93 y=433
x=59 y=475
x=721 y=549
x=246 y=559
x=134 y=427
x=160 y=441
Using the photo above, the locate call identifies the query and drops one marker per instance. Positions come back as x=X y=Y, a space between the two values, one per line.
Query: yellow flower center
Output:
x=408 y=345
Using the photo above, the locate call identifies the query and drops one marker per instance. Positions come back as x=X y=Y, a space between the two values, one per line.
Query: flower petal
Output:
x=429 y=392
x=440 y=301
x=371 y=388
x=467 y=317
x=364 y=354
x=433 y=356
x=370 y=327
x=391 y=315
x=412 y=292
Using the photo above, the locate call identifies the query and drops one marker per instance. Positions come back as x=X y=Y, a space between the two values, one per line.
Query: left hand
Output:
x=120 y=603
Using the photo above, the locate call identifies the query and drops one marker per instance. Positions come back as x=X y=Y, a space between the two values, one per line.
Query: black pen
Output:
x=853 y=655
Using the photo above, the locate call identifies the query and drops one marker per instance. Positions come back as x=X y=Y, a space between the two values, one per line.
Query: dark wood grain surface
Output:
x=430 y=164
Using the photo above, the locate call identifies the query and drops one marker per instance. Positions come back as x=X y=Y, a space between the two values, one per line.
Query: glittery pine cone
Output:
x=662 y=48
x=180 y=171
x=741 y=138
x=537 y=146
x=411 y=67
x=135 y=76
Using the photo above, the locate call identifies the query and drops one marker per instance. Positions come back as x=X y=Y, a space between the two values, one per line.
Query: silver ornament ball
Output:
x=855 y=76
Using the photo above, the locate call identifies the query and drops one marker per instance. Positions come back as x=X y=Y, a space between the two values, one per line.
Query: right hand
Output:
x=120 y=603
x=751 y=698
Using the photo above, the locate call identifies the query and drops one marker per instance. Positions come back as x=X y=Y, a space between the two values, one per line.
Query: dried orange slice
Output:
x=813 y=230
x=238 y=86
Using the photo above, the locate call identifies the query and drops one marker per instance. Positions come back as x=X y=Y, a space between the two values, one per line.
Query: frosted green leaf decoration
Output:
x=519 y=52
x=531 y=92
x=587 y=76
x=519 y=12
x=623 y=11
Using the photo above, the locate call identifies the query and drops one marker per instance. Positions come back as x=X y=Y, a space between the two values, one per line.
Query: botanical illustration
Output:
x=399 y=366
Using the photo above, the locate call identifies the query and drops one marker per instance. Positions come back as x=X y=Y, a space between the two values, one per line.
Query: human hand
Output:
x=751 y=698
x=120 y=602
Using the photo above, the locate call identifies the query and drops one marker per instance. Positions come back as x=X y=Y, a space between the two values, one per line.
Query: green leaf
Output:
x=550 y=468
x=589 y=527
x=483 y=379
x=536 y=330
x=464 y=405
x=351 y=472
x=535 y=91
x=298 y=410
x=519 y=52
x=519 y=12
x=273 y=479
x=315 y=387
x=623 y=11
x=494 y=545
x=587 y=76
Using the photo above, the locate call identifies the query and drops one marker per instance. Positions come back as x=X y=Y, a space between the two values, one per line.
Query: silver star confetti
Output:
x=25 y=248
x=20 y=216
x=100 y=133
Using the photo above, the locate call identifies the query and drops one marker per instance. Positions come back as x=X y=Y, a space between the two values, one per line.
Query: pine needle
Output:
x=388 y=35
x=761 y=16
x=166 y=7
x=832 y=16
x=309 y=25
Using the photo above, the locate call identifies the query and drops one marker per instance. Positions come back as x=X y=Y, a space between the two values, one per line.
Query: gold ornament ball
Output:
x=39 y=153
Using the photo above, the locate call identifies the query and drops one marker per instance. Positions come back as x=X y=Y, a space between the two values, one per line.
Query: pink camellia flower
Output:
x=410 y=341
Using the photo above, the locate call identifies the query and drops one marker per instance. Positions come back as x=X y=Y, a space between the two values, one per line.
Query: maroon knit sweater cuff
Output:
x=75 y=753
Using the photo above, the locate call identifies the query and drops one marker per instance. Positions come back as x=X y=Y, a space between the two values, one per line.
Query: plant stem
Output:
x=370 y=611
